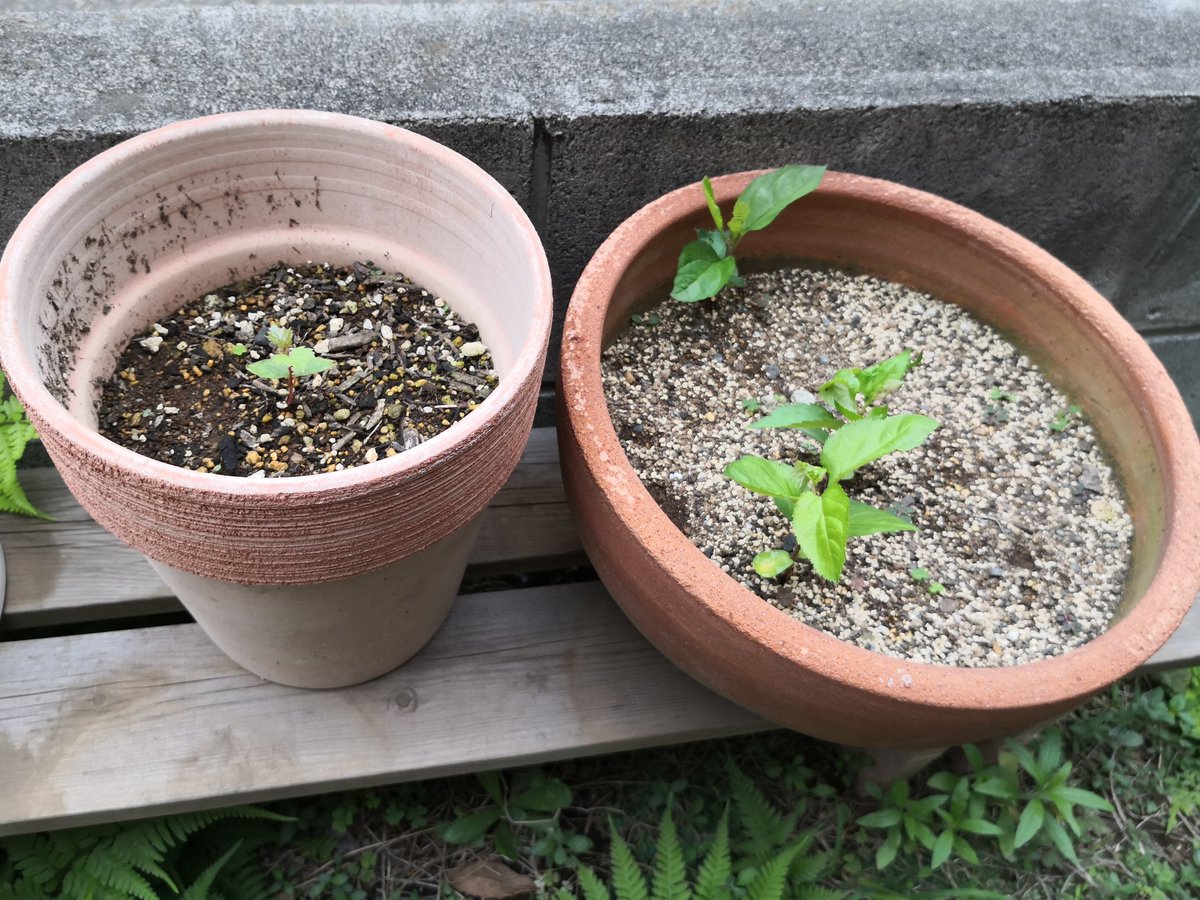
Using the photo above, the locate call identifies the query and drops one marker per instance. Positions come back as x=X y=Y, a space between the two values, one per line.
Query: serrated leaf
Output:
x=821 y=524
x=274 y=368
x=593 y=887
x=473 y=826
x=841 y=392
x=798 y=415
x=858 y=443
x=712 y=879
x=627 y=879
x=772 y=563
x=885 y=376
x=13 y=439
x=770 y=194
x=304 y=362
x=768 y=477
x=866 y=519
x=713 y=209
x=669 y=881
x=1030 y=823
x=772 y=876
x=198 y=889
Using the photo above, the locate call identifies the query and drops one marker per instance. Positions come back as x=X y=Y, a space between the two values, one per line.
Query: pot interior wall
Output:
x=181 y=217
x=989 y=281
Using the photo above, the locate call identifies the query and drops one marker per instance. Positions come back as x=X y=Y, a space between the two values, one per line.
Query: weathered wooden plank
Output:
x=99 y=727
x=1183 y=649
x=71 y=570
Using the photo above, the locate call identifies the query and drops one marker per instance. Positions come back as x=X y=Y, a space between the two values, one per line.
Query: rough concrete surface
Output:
x=1180 y=353
x=1076 y=123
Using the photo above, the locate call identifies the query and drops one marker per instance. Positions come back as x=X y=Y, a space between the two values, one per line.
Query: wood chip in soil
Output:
x=1023 y=526
x=407 y=367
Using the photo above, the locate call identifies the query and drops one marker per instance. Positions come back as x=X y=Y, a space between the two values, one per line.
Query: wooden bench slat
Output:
x=99 y=727
x=72 y=570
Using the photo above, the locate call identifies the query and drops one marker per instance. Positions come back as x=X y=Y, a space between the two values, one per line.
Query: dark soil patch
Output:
x=407 y=367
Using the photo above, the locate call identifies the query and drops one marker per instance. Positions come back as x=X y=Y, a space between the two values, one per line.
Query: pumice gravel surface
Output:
x=405 y=368
x=1022 y=530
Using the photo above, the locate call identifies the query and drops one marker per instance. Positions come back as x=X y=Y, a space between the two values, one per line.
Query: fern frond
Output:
x=670 y=870
x=593 y=887
x=627 y=879
x=712 y=880
x=136 y=849
x=819 y=893
x=772 y=877
x=99 y=875
x=198 y=889
x=765 y=829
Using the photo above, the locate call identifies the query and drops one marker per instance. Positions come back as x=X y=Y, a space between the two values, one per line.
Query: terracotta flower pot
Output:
x=754 y=654
x=317 y=580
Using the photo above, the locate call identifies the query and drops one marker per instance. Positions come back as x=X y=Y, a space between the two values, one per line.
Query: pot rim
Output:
x=27 y=383
x=1078 y=672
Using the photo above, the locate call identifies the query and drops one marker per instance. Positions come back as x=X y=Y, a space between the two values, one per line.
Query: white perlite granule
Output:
x=1024 y=526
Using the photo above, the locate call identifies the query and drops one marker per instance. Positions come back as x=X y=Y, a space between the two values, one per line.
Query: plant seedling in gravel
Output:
x=823 y=517
x=922 y=576
x=1066 y=418
x=288 y=362
x=15 y=433
x=707 y=264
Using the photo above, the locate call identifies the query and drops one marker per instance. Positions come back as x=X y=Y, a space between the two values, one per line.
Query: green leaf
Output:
x=751 y=404
x=593 y=887
x=502 y=840
x=841 y=392
x=1080 y=797
x=280 y=337
x=770 y=194
x=999 y=787
x=304 y=362
x=885 y=376
x=881 y=818
x=799 y=415
x=1025 y=758
x=772 y=563
x=772 y=877
x=1049 y=753
x=701 y=273
x=887 y=850
x=544 y=795
x=198 y=889
x=714 y=239
x=670 y=871
x=275 y=368
x=713 y=209
x=981 y=826
x=711 y=881
x=491 y=784
x=941 y=849
x=14 y=436
x=627 y=879
x=821 y=524
x=918 y=574
x=1061 y=840
x=857 y=443
x=473 y=826
x=866 y=519
x=768 y=477
x=1032 y=817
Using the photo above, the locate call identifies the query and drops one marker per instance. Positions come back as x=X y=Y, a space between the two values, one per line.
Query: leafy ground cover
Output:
x=1105 y=805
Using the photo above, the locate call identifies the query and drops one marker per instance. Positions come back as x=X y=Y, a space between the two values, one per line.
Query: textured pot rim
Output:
x=22 y=370
x=1080 y=671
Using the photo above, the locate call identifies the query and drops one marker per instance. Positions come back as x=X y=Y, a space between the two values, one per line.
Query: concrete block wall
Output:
x=1075 y=123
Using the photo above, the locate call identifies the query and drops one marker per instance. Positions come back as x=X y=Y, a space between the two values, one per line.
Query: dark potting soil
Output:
x=406 y=367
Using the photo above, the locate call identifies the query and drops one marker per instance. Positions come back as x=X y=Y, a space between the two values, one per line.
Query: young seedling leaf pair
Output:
x=287 y=361
x=707 y=264
x=822 y=515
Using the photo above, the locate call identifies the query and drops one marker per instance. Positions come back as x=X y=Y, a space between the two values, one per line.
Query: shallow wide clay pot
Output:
x=319 y=580
x=754 y=654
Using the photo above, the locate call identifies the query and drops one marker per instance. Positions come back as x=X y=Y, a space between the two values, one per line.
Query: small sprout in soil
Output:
x=995 y=413
x=299 y=362
x=1067 y=418
x=751 y=404
x=280 y=338
x=999 y=395
x=648 y=320
x=922 y=575
x=936 y=587
x=238 y=349
x=823 y=516
x=918 y=574
x=706 y=265
x=772 y=563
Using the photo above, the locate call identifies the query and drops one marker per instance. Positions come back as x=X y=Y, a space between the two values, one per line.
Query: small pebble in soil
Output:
x=1022 y=526
x=406 y=368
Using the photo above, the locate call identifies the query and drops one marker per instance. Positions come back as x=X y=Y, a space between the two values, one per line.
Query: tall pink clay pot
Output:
x=797 y=676
x=319 y=580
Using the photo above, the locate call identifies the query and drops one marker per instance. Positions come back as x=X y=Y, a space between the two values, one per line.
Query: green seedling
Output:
x=15 y=434
x=822 y=515
x=922 y=576
x=288 y=362
x=238 y=349
x=996 y=413
x=649 y=320
x=1067 y=418
x=707 y=264
x=751 y=404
